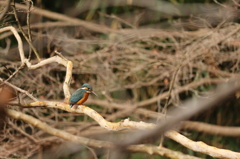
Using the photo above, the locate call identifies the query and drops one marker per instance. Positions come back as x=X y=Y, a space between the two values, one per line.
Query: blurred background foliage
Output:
x=155 y=40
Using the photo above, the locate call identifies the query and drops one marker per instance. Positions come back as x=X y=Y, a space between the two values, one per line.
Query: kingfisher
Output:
x=81 y=95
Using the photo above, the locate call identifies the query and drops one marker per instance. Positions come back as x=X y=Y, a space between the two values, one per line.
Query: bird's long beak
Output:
x=94 y=93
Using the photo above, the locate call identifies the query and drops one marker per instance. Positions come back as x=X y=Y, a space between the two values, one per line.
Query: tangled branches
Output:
x=132 y=69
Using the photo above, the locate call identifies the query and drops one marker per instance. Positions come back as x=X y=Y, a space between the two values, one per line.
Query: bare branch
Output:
x=125 y=124
x=192 y=107
x=19 y=89
x=13 y=74
x=22 y=132
x=30 y=4
x=211 y=129
x=91 y=142
x=24 y=35
x=24 y=60
x=201 y=146
x=62 y=134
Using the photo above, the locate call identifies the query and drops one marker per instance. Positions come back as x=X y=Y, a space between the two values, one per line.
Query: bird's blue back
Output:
x=77 y=95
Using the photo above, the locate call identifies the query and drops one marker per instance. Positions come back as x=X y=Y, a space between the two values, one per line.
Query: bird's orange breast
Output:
x=81 y=101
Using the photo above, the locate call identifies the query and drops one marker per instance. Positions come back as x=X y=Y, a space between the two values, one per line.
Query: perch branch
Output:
x=91 y=142
x=125 y=124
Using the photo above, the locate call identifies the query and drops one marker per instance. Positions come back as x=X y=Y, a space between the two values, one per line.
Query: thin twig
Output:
x=20 y=90
x=62 y=17
x=5 y=9
x=30 y=4
x=164 y=111
x=220 y=4
x=59 y=54
x=58 y=59
x=117 y=18
x=109 y=145
x=22 y=132
x=13 y=74
x=25 y=36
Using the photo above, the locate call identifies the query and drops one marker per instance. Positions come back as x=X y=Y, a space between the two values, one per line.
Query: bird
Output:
x=81 y=95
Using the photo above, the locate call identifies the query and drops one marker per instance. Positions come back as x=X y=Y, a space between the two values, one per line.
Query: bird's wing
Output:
x=76 y=96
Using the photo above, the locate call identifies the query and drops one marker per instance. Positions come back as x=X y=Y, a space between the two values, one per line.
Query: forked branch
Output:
x=57 y=59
